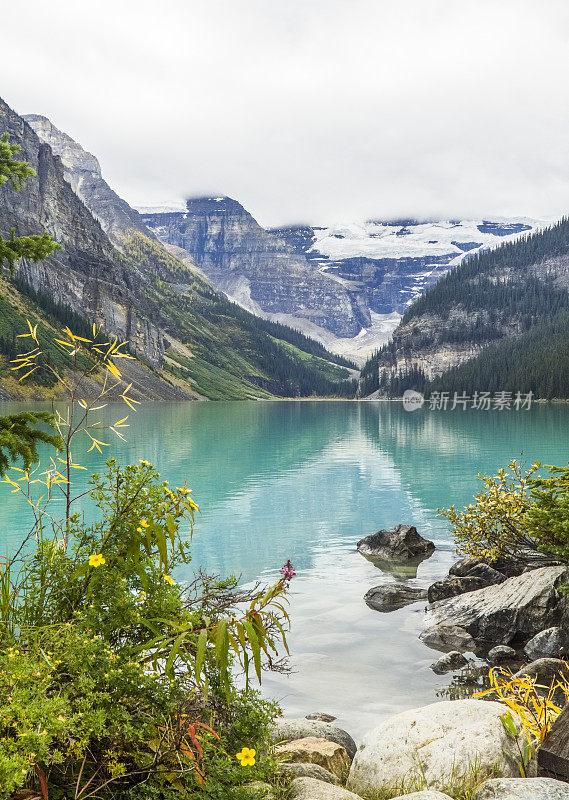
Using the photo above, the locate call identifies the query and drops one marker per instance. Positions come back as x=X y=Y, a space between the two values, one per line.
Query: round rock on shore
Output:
x=426 y=794
x=311 y=789
x=502 y=654
x=286 y=730
x=522 y=789
x=310 y=750
x=436 y=742
x=297 y=769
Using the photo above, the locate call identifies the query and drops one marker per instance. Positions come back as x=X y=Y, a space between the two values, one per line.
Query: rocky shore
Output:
x=512 y=613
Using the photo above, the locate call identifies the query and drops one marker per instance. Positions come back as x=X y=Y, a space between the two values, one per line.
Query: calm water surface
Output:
x=305 y=481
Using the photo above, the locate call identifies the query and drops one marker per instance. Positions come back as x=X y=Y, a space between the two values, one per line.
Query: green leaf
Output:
x=201 y=652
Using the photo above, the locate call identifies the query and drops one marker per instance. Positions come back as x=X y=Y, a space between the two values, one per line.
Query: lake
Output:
x=305 y=481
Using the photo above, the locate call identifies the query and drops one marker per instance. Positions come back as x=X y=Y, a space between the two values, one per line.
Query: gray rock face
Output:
x=550 y=643
x=434 y=743
x=287 y=730
x=487 y=574
x=393 y=596
x=449 y=662
x=300 y=770
x=83 y=171
x=522 y=789
x=453 y=586
x=311 y=789
x=86 y=275
x=448 y=637
x=509 y=613
x=502 y=654
x=397 y=544
x=258 y=267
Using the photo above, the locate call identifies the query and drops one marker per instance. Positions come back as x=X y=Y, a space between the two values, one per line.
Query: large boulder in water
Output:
x=509 y=613
x=395 y=544
x=550 y=643
x=436 y=742
x=393 y=596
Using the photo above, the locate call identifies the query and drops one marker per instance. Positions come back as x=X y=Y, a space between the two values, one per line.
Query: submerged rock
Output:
x=550 y=643
x=435 y=742
x=286 y=730
x=448 y=637
x=311 y=750
x=510 y=613
x=522 y=789
x=393 y=596
x=320 y=717
x=502 y=654
x=397 y=544
x=448 y=662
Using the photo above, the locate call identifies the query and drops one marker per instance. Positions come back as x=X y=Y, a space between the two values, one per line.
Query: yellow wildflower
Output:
x=169 y=579
x=96 y=560
x=246 y=757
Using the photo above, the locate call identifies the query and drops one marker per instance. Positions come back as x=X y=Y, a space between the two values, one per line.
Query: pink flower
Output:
x=287 y=571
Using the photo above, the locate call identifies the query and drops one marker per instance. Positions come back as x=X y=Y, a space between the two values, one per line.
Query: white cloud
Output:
x=310 y=110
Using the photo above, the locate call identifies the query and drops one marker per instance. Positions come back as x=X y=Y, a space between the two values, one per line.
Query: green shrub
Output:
x=547 y=519
x=495 y=524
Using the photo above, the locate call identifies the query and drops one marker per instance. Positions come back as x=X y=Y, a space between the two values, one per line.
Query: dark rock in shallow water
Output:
x=502 y=654
x=509 y=613
x=396 y=544
x=549 y=643
x=447 y=637
x=545 y=670
x=393 y=596
x=453 y=586
x=320 y=717
x=449 y=662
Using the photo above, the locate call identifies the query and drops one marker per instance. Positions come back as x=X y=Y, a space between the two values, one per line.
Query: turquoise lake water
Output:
x=305 y=481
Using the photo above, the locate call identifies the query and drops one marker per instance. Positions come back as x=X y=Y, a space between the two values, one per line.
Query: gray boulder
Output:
x=486 y=573
x=396 y=544
x=449 y=662
x=311 y=789
x=550 y=643
x=300 y=770
x=545 y=670
x=502 y=654
x=453 y=586
x=522 y=789
x=509 y=613
x=426 y=794
x=436 y=743
x=288 y=730
x=393 y=596
x=448 y=637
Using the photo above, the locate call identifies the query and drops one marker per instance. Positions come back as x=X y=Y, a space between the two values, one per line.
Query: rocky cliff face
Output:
x=86 y=274
x=498 y=295
x=257 y=268
x=83 y=172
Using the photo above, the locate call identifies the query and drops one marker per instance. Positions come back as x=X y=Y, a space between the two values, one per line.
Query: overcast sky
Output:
x=309 y=110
